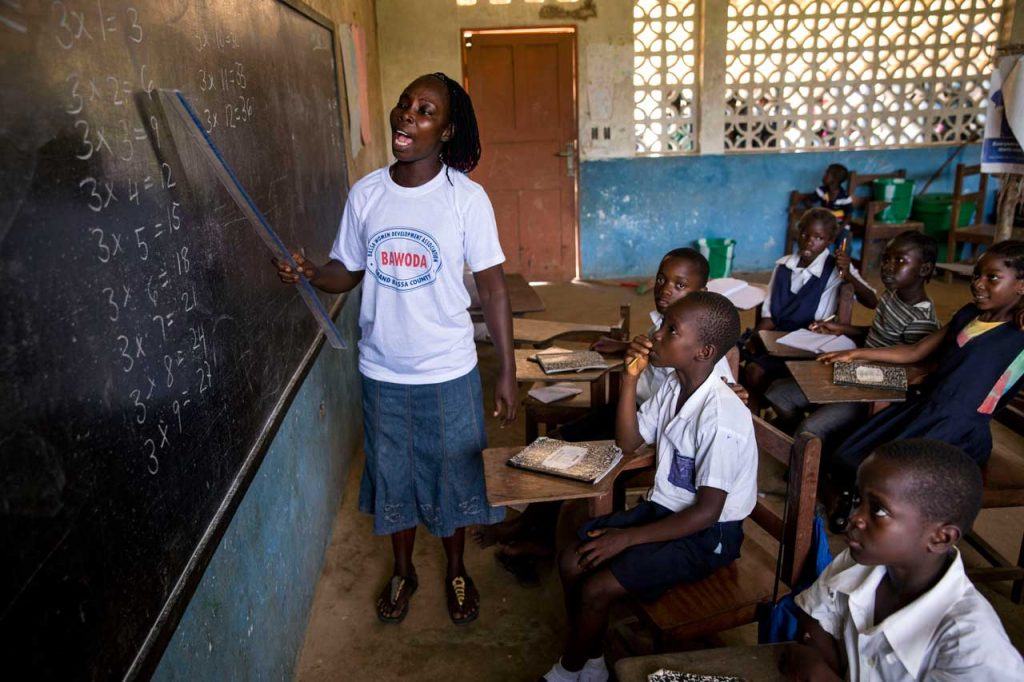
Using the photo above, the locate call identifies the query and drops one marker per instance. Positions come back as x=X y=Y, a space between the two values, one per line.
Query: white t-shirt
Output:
x=829 y=301
x=710 y=442
x=652 y=378
x=950 y=632
x=413 y=243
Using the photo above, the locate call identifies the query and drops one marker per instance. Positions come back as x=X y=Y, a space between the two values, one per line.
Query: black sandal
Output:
x=397 y=588
x=462 y=592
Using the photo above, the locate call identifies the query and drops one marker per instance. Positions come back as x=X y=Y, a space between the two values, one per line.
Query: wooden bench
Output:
x=874 y=232
x=737 y=594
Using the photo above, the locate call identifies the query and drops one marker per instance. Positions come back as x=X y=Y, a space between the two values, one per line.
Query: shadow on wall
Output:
x=634 y=210
x=247 y=619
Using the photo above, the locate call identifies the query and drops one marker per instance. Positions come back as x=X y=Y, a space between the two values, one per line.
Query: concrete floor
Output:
x=519 y=632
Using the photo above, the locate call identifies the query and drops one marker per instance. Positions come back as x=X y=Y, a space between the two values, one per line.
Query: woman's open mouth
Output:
x=400 y=139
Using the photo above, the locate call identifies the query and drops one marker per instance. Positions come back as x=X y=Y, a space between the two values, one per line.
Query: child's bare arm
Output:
x=332 y=276
x=855 y=332
x=627 y=426
x=901 y=355
x=605 y=543
x=814 y=656
x=498 y=317
x=865 y=294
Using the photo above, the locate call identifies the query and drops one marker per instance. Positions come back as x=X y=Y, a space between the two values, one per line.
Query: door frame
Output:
x=466 y=34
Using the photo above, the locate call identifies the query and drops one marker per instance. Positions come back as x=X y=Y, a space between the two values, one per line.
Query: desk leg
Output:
x=598 y=394
x=601 y=505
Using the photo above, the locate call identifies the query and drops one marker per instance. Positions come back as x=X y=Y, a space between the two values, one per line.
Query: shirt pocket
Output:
x=683 y=471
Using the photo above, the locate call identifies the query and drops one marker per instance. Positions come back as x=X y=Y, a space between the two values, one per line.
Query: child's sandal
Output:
x=463 y=598
x=399 y=588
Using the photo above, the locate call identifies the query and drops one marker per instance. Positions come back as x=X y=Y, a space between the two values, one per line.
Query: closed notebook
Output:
x=586 y=461
x=874 y=376
x=555 y=392
x=571 y=361
x=664 y=675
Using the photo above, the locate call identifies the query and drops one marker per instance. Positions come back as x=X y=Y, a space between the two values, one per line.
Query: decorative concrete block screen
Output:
x=803 y=74
x=665 y=36
x=811 y=74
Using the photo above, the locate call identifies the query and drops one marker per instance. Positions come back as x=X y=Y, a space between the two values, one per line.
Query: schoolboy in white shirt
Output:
x=897 y=604
x=705 y=482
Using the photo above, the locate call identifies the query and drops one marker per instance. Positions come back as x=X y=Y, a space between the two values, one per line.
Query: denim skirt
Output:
x=424 y=463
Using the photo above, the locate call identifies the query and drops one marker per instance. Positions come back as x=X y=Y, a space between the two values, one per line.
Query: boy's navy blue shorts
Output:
x=646 y=571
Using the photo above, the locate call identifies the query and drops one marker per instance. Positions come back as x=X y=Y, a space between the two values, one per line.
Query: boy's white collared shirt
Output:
x=652 y=378
x=710 y=442
x=829 y=298
x=949 y=632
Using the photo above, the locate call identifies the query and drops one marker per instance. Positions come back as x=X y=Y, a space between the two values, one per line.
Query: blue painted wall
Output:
x=247 y=619
x=634 y=210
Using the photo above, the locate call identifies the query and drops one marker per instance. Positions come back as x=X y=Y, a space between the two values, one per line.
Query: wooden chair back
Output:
x=858 y=181
x=620 y=330
x=961 y=197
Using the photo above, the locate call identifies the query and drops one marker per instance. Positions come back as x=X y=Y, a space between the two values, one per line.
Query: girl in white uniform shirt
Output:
x=411 y=227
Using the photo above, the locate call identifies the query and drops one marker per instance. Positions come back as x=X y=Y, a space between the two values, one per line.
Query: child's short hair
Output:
x=840 y=171
x=718 y=323
x=947 y=484
x=818 y=215
x=1012 y=253
x=924 y=243
x=695 y=257
x=462 y=151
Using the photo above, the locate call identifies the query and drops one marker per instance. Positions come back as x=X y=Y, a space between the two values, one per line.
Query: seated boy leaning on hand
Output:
x=705 y=482
x=897 y=604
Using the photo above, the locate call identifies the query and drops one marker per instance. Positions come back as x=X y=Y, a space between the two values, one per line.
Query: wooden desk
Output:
x=528 y=372
x=527 y=330
x=815 y=380
x=521 y=296
x=770 y=339
x=508 y=485
x=752 y=663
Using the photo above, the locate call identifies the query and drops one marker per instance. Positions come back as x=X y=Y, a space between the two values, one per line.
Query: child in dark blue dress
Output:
x=980 y=367
x=804 y=288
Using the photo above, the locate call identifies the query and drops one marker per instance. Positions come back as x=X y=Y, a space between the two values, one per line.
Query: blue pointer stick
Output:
x=176 y=102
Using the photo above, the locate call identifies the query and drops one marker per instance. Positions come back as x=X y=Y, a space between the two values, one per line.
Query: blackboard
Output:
x=147 y=349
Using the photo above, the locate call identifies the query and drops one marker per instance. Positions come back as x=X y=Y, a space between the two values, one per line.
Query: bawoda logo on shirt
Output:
x=403 y=258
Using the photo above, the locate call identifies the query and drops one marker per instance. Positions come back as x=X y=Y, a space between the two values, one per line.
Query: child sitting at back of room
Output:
x=831 y=194
x=979 y=358
x=705 y=482
x=905 y=315
x=804 y=287
x=897 y=605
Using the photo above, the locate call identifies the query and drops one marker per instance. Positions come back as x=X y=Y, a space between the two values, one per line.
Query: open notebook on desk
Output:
x=805 y=339
x=741 y=294
x=587 y=461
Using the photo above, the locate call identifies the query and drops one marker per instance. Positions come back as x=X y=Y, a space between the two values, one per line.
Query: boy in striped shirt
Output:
x=905 y=315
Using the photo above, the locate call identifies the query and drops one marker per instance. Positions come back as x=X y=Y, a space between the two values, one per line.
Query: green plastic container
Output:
x=719 y=254
x=900 y=195
x=934 y=211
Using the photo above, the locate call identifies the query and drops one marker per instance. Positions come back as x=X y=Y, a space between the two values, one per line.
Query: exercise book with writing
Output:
x=586 y=461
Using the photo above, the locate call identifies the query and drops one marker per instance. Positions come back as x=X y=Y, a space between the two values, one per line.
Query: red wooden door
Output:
x=523 y=89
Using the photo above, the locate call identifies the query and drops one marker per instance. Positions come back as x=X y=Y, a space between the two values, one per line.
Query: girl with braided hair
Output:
x=407 y=232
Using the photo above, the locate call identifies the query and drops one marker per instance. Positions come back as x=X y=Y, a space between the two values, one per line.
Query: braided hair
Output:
x=462 y=151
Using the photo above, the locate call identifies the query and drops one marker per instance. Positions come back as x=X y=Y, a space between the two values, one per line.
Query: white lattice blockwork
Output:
x=664 y=75
x=804 y=74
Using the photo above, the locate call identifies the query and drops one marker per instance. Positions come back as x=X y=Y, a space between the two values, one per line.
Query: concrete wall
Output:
x=423 y=36
x=247 y=618
x=634 y=210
